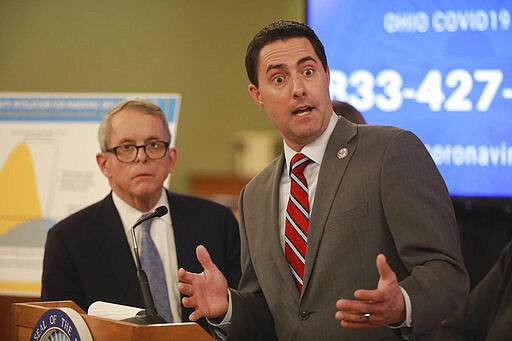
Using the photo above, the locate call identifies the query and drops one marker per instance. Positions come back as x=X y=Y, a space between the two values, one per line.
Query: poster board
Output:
x=48 y=170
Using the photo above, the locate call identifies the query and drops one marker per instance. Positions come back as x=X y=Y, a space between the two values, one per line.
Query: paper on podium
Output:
x=112 y=311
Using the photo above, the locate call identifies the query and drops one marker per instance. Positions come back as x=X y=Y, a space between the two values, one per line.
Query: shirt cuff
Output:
x=408 y=312
x=222 y=328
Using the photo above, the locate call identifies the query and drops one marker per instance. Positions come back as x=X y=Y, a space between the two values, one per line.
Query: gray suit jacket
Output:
x=385 y=196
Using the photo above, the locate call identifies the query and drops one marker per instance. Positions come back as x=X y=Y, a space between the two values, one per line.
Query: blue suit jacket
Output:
x=88 y=258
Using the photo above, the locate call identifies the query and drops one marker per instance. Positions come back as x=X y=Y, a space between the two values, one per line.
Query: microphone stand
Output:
x=149 y=315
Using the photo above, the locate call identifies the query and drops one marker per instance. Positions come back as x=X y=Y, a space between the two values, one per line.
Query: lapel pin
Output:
x=342 y=153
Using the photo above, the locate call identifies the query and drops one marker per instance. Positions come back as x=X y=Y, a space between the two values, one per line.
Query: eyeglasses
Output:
x=128 y=152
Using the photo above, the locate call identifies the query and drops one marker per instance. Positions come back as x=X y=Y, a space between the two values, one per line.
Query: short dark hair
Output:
x=280 y=30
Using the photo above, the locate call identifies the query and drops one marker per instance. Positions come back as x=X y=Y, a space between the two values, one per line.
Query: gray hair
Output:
x=130 y=102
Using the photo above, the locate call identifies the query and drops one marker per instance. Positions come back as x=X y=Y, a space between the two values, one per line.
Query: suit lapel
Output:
x=182 y=234
x=276 y=247
x=264 y=231
x=334 y=164
x=116 y=250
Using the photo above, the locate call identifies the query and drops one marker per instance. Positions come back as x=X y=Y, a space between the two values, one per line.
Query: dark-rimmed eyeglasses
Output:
x=128 y=152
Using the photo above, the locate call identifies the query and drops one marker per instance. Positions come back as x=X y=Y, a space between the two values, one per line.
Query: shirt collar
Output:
x=316 y=149
x=129 y=215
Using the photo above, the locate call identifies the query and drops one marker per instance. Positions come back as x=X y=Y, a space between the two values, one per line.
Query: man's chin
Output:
x=146 y=191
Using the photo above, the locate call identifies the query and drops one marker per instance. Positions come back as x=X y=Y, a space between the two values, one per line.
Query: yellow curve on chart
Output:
x=18 y=190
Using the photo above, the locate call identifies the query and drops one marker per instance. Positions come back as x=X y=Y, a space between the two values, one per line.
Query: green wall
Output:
x=193 y=47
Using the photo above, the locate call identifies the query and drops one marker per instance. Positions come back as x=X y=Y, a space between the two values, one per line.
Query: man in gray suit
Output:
x=382 y=260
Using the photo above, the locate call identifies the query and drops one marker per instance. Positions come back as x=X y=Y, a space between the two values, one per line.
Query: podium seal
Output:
x=62 y=324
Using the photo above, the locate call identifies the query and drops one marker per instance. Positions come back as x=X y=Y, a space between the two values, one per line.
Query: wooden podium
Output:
x=26 y=315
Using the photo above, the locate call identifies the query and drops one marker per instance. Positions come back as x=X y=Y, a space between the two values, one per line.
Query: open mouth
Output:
x=302 y=111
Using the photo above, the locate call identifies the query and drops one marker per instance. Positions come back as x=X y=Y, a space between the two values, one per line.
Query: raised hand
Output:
x=383 y=306
x=207 y=292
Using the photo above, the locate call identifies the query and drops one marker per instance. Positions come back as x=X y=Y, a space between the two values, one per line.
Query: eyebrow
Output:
x=147 y=140
x=281 y=66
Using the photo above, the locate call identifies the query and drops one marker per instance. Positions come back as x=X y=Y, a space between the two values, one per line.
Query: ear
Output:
x=255 y=94
x=173 y=157
x=102 y=162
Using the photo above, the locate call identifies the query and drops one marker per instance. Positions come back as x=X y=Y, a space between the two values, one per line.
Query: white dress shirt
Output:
x=315 y=152
x=162 y=233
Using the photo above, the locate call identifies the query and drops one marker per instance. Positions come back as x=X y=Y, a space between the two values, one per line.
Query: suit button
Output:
x=304 y=315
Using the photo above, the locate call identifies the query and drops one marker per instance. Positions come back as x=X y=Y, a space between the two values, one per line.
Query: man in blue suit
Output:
x=89 y=255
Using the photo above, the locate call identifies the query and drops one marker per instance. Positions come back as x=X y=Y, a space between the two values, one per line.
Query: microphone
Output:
x=158 y=212
x=149 y=315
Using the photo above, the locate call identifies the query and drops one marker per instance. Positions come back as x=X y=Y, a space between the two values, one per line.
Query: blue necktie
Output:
x=152 y=265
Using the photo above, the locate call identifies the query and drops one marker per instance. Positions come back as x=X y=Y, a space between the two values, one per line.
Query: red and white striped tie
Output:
x=297 y=219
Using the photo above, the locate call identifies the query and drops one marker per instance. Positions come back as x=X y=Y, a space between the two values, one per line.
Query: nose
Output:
x=298 y=88
x=141 y=154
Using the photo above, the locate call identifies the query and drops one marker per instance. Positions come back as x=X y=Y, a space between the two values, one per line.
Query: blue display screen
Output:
x=442 y=69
